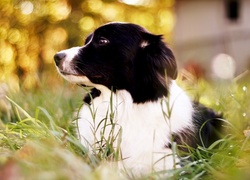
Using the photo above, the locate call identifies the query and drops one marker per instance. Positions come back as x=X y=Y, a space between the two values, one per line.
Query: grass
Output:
x=38 y=141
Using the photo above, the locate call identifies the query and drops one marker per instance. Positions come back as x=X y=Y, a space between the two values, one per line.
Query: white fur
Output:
x=70 y=54
x=67 y=67
x=144 y=44
x=144 y=129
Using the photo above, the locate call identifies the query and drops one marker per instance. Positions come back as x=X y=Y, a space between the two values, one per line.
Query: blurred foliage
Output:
x=31 y=32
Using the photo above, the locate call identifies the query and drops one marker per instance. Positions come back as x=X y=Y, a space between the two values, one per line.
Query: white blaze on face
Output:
x=68 y=72
x=70 y=54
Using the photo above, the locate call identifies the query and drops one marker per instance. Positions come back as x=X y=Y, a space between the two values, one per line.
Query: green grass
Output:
x=38 y=141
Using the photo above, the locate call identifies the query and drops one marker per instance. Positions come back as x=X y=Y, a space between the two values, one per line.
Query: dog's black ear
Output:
x=158 y=55
x=154 y=67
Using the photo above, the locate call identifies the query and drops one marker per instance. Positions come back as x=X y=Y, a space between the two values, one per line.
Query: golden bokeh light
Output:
x=93 y=5
x=136 y=2
x=60 y=10
x=14 y=36
x=109 y=12
x=87 y=23
x=3 y=33
x=166 y=20
x=169 y=3
x=31 y=32
x=145 y=19
x=7 y=54
x=26 y=7
x=54 y=38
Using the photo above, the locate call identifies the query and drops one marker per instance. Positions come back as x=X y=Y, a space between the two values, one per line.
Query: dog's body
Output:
x=145 y=129
x=134 y=97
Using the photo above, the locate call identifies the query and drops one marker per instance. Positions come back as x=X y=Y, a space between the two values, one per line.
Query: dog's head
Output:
x=121 y=56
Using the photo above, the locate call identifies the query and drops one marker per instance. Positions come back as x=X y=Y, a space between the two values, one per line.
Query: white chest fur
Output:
x=144 y=129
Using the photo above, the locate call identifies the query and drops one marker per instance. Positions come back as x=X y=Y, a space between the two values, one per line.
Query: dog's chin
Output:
x=77 y=79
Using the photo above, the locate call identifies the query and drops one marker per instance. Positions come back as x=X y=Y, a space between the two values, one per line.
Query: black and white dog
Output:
x=133 y=74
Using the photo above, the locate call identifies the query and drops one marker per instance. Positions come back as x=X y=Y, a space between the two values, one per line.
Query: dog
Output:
x=135 y=98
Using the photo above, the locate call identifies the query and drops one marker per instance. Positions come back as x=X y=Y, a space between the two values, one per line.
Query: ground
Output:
x=38 y=140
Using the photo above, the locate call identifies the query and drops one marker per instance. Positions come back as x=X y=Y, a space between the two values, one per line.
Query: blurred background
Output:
x=210 y=38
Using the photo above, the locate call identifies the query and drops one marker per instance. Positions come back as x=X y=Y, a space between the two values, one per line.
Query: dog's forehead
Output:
x=114 y=28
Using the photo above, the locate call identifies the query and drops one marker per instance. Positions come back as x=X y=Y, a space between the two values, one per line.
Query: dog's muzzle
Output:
x=58 y=57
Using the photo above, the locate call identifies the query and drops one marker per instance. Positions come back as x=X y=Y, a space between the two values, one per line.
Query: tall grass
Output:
x=38 y=138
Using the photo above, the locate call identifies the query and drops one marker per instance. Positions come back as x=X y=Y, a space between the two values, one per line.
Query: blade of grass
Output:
x=19 y=107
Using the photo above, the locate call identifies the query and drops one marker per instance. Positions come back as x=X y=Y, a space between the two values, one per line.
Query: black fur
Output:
x=125 y=63
x=208 y=125
x=90 y=96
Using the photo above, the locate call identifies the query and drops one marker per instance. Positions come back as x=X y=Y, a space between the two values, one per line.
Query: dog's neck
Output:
x=177 y=99
x=140 y=94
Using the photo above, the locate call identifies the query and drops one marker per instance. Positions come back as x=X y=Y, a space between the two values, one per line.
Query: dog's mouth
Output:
x=79 y=78
x=68 y=73
x=65 y=73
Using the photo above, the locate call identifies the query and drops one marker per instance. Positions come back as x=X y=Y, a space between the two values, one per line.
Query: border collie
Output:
x=134 y=97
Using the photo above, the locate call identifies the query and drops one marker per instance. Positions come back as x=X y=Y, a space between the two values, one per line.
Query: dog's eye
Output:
x=103 y=41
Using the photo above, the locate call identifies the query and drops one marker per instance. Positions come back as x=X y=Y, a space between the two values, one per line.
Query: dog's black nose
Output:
x=58 y=57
